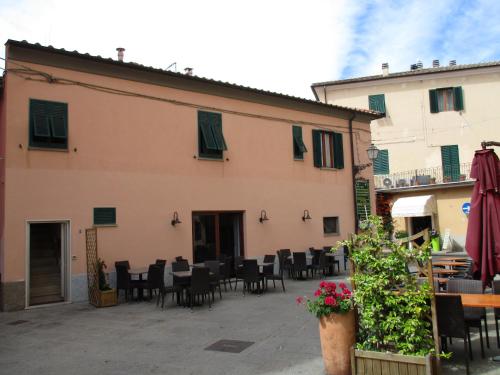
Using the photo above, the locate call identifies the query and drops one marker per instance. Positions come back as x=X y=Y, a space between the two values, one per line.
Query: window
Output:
x=298 y=144
x=446 y=99
x=331 y=225
x=377 y=103
x=451 y=163
x=363 y=207
x=105 y=216
x=328 y=149
x=211 y=142
x=48 y=124
x=381 y=163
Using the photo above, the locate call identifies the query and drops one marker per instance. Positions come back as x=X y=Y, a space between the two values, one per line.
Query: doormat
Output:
x=230 y=346
x=17 y=322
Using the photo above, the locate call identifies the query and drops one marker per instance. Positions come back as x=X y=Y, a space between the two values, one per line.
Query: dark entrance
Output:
x=46 y=283
x=216 y=233
x=420 y=223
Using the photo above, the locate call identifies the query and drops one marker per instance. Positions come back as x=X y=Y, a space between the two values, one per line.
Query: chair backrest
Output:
x=299 y=260
x=124 y=263
x=122 y=277
x=250 y=270
x=238 y=261
x=327 y=248
x=496 y=290
x=269 y=258
x=465 y=286
x=181 y=265
x=286 y=252
x=155 y=276
x=162 y=262
x=316 y=254
x=222 y=257
x=214 y=267
x=200 y=280
x=322 y=260
x=179 y=258
x=450 y=316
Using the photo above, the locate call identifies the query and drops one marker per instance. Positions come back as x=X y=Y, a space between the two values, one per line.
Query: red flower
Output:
x=346 y=291
x=323 y=284
x=342 y=285
x=299 y=300
x=317 y=293
x=330 y=301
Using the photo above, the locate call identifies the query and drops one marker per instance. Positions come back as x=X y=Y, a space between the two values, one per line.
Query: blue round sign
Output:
x=466 y=208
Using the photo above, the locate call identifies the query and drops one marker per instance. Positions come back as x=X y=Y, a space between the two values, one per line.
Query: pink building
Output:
x=87 y=141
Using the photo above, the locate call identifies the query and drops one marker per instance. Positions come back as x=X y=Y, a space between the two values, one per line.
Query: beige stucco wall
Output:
x=138 y=155
x=449 y=211
x=410 y=132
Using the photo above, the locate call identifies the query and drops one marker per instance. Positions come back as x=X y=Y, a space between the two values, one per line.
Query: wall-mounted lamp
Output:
x=372 y=152
x=306 y=216
x=175 y=219
x=263 y=216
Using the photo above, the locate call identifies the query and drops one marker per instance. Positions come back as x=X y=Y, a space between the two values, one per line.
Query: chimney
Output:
x=413 y=67
x=419 y=64
x=435 y=63
x=120 y=53
x=453 y=62
x=188 y=71
x=385 y=69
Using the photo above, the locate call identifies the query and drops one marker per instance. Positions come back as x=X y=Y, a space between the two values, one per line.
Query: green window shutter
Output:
x=48 y=124
x=104 y=216
x=433 y=100
x=458 y=98
x=338 y=151
x=363 y=207
x=381 y=163
x=377 y=103
x=206 y=130
x=318 y=160
x=216 y=126
x=298 y=144
x=451 y=162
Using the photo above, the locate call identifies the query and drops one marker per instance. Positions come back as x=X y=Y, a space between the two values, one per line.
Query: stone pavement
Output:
x=139 y=338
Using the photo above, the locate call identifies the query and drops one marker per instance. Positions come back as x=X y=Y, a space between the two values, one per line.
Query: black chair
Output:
x=161 y=262
x=473 y=315
x=451 y=322
x=286 y=254
x=180 y=283
x=226 y=272
x=269 y=268
x=333 y=261
x=179 y=258
x=270 y=275
x=299 y=264
x=238 y=270
x=496 y=290
x=214 y=267
x=200 y=286
x=124 y=263
x=252 y=276
x=123 y=281
x=319 y=263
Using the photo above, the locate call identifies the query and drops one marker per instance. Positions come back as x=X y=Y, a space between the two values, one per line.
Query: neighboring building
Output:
x=88 y=141
x=435 y=119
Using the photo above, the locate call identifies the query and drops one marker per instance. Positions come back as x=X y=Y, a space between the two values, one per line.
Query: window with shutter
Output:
x=298 y=144
x=381 y=163
x=105 y=216
x=211 y=142
x=446 y=99
x=363 y=207
x=48 y=124
x=331 y=225
x=451 y=163
x=377 y=103
x=328 y=149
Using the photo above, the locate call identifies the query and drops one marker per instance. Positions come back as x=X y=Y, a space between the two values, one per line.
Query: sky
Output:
x=278 y=45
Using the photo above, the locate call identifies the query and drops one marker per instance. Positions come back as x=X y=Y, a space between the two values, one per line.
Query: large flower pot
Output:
x=338 y=334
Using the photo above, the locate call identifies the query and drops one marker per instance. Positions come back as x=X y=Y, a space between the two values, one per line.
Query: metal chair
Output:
x=319 y=263
x=496 y=290
x=251 y=276
x=299 y=264
x=200 y=286
x=214 y=267
x=123 y=281
x=451 y=322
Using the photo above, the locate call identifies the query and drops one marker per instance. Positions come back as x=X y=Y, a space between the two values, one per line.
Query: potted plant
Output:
x=333 y=307
x=435 y=240
x=106 y=295
x=394 y=310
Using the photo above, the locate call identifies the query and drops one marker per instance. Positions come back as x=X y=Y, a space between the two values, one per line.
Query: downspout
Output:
x=351 y=141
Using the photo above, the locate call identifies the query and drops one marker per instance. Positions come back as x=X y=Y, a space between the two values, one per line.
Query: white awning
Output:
x=423 y=205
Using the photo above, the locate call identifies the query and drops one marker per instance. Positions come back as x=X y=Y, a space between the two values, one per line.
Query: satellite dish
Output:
x=387 y=182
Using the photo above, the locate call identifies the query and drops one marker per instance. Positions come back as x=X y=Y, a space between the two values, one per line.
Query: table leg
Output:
x=140 y=293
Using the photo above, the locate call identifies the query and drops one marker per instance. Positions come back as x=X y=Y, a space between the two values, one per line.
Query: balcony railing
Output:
x=424 y=177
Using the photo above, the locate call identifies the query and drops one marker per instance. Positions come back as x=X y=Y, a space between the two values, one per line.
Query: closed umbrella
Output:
x=483 y=230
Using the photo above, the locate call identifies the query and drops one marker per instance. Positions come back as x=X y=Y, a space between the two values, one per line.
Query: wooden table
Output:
x=449 y=264
x=477 y=300
x=444 y=272
x=451 y=259
x=203 y=264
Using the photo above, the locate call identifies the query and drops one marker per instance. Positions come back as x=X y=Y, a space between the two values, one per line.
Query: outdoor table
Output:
x=444 y=272
x=330 y=255
x=203 y=264
x=451 y=259
x=449 y=264
x=139 y=271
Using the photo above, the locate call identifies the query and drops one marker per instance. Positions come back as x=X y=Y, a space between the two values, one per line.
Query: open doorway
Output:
x=47 y=263
x=418 y=224
x=216 y=233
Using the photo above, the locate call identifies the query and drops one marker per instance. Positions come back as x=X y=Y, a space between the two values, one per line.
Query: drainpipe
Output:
x=351 y=141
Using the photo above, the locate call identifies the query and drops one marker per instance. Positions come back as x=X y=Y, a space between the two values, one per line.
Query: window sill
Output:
x=34 y=148
x=210 y=159
x=297 y=159
x=331 y=234
x=105 y=225
x=329 y=169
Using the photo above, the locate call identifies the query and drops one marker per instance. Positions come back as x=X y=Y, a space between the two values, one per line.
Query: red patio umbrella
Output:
x=483 y=230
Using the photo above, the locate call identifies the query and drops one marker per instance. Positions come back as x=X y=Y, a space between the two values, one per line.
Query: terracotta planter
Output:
x=107 y=298
x=338 y=334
